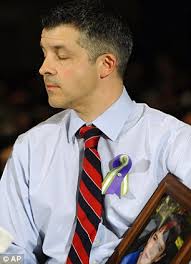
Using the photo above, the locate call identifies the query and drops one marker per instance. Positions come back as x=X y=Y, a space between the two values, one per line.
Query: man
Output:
x=86 y=49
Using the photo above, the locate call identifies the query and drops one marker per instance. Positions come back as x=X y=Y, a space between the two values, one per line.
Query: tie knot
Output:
x=91 y=136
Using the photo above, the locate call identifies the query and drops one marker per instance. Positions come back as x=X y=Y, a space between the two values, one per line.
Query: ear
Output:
x=107 y=64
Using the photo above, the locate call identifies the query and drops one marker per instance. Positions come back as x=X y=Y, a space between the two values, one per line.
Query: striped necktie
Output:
x=89 y=207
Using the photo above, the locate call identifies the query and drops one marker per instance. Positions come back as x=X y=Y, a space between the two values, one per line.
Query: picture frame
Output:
x=169 y=203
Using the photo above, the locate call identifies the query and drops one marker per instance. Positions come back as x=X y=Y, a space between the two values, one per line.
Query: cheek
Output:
x=66 y=69
x=150 y=243
x=83 y=69
x=76 y=72
x=67 y=73
x=80 y=73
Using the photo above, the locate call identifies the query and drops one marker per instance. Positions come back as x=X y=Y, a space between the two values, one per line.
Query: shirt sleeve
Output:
x=16 y=215
x=177 y=155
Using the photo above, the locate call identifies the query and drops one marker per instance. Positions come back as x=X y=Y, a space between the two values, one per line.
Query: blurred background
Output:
x=159 y=72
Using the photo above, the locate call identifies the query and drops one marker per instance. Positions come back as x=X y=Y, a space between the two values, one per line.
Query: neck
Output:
x=99 y=102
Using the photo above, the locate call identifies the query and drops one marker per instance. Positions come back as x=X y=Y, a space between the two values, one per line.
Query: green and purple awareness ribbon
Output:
x=116 y=180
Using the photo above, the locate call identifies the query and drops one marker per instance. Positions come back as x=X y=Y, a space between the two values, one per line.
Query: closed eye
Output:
x=63 y=57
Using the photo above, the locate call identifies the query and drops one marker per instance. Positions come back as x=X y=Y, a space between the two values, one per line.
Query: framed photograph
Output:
x=162 y=231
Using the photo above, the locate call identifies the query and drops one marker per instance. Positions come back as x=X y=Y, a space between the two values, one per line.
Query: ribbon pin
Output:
x=116 y=180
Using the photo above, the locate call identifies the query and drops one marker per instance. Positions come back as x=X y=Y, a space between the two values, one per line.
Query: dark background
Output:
x=158 y=26
x=159 y=71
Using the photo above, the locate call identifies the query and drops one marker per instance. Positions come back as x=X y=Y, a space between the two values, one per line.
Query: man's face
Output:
x=153 y=249
x=70 y=77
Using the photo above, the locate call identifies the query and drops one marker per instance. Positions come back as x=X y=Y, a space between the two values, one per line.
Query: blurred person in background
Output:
x=86 y=48
x=4 y=155
x=187 y=118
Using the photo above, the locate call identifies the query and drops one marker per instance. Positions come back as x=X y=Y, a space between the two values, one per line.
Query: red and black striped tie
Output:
x=89 y=207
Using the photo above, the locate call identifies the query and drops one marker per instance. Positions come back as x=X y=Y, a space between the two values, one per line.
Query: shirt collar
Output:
x=110 y=122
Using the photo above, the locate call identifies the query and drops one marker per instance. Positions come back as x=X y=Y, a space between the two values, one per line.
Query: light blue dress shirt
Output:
x=40 y=181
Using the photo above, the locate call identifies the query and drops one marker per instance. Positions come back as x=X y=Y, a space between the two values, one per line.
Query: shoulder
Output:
x=161 y=121
x=44 y=131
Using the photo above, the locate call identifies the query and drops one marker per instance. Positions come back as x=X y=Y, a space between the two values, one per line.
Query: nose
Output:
x=47 y=67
